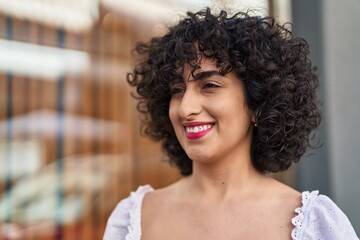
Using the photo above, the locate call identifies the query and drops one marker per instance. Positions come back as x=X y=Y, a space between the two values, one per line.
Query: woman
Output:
x=231 y=99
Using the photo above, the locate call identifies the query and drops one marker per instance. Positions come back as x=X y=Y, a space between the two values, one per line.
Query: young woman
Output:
x=231 y=99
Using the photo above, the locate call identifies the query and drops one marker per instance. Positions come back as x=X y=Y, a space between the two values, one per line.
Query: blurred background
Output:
x=70 y=146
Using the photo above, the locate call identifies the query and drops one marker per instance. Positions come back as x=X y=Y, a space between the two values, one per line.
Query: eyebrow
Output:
x=204 y=74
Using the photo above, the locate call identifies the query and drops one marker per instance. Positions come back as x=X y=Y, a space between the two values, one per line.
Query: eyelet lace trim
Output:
x=134 y=228
x=300 y=221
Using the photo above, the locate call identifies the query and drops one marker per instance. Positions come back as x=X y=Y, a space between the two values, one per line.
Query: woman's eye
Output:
x=210 y=85
x=176 y=90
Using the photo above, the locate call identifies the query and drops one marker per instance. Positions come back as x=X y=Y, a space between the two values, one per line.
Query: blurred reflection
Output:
x=71 y=15
x=70 y=147
x=84 y=181
x=40 y=61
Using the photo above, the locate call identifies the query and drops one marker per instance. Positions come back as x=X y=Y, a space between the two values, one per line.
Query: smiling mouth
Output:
x=197 y=131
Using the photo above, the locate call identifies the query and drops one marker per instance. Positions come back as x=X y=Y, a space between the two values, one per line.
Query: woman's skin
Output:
x=225 y=197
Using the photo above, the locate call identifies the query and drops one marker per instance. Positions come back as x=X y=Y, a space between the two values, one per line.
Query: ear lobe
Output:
x=253 y=119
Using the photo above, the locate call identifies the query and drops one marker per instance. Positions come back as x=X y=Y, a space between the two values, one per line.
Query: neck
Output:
x=222 y=179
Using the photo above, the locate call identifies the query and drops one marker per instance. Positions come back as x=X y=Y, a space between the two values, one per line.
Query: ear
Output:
x=253 y=118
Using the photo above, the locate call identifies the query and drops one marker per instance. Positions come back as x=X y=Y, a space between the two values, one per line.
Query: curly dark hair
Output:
x=279 y=78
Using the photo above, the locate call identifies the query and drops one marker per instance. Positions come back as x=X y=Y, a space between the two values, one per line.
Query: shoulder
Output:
x=320 y=218
x=286 y=197
x=126 y=215
x=159 y=200
x=162 y=196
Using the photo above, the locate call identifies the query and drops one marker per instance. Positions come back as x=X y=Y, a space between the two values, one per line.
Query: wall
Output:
x=342 y=63
x=333 y=30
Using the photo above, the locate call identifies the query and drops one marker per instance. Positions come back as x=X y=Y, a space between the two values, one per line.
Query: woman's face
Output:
x=209 y=114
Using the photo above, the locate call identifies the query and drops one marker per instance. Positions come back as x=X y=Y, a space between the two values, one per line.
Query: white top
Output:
x=318 y=218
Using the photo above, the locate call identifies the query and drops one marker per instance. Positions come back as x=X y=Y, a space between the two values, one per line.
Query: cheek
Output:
x=172 y=112
x=232 y=113
x=175 y=119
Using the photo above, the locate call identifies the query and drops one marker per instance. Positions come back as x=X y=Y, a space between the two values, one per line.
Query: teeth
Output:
x=198 y=128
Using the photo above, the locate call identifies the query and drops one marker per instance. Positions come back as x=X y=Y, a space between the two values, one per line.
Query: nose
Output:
x=190 y=105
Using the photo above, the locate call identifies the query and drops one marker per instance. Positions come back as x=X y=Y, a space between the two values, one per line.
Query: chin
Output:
x=199 y=157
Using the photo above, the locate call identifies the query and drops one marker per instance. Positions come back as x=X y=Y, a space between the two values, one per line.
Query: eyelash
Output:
x=210 y=85
x=178 y=90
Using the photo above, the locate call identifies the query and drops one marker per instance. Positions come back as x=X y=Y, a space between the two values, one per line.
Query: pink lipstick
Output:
x=196 y=130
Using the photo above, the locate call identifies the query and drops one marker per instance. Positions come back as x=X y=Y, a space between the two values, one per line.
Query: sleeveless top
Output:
x=318 y=218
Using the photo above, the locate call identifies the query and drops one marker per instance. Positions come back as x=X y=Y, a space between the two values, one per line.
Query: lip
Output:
x=197 y=135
